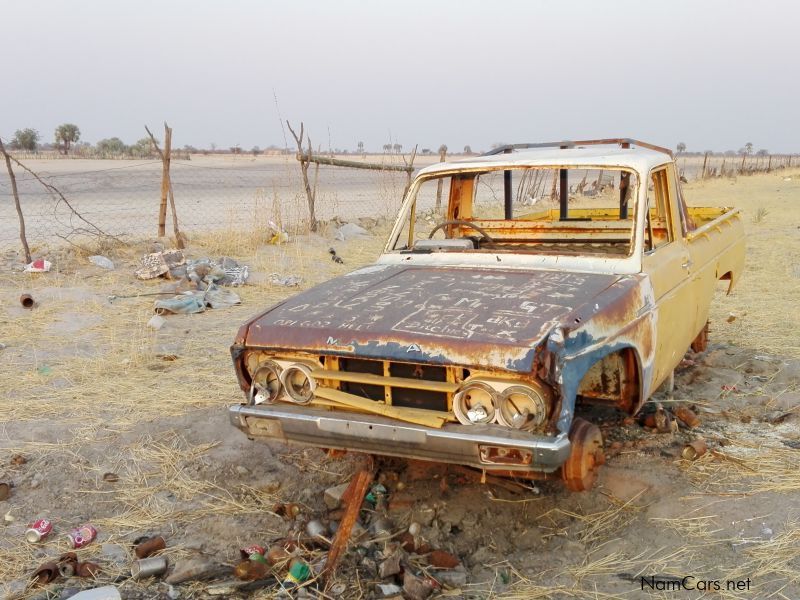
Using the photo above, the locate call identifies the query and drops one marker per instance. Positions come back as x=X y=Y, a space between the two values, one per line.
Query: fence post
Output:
x=705 y=161
x=162 y=211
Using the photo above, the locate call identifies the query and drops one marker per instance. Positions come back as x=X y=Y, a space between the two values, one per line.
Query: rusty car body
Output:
x=474 y=349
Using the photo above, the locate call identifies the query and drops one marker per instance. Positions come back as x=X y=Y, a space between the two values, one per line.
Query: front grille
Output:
x=408 y=385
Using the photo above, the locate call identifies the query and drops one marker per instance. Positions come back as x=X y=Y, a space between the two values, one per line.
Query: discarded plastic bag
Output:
x=185 y=304
x=194 y=302
x=216 y=297
x=102 y=262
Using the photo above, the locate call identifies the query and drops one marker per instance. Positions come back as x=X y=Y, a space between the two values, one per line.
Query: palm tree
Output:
x=67 y=133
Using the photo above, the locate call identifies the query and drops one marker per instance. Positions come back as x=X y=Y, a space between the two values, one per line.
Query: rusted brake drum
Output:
x=579 y=472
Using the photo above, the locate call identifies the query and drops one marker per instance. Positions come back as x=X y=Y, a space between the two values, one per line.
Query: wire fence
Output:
x=235 y=193
x=211 y=194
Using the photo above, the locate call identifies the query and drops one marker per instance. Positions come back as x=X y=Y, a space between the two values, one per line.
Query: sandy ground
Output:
x=88 y=390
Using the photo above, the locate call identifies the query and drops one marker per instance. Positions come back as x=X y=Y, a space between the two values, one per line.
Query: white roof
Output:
x=582 y=157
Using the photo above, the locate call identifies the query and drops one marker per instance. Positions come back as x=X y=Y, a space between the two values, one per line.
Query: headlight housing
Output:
x=475 y=403
x=522 y=407
x=298 y=383
x=265 y=386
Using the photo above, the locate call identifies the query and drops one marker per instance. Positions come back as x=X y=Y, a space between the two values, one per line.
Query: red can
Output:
x=252 y=549
x=38 y=530
x=81 y=536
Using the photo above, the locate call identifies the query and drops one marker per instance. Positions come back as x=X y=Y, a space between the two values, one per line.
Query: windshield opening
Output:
x=520 y=210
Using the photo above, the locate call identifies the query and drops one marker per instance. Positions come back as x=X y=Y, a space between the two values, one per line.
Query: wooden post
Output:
x=741 y=168
x=769 y=164
x=442 y=157
x=352 y=499
x=305 y=160
x=162 y=217
x=705 y=162
x=22 y=237
x=165 y=157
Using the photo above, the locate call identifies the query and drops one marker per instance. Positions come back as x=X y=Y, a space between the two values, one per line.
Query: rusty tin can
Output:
x=149 y=567
x=38 y=530
x=81 y=536
x=26 y=300
x=149 y=546
x=694 y=449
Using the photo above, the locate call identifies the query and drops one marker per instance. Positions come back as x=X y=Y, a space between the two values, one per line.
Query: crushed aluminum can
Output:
x=249 y=570
x=38 y=530
x=299 y=572
x=81 y=536
x=247 y=551
x=256 y=557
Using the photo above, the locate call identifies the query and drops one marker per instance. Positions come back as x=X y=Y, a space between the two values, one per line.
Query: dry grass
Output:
x=771 y=210
x=774 y=561
x=599 y=525
x=747 y=467
x=695 y=528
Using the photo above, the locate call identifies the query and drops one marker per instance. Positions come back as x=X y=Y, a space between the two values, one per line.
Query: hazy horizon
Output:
x=713 y=75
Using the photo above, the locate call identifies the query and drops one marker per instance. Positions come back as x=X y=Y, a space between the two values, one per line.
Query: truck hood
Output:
x=474 y=317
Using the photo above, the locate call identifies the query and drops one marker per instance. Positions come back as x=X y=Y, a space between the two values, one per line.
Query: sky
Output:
x=713 y=74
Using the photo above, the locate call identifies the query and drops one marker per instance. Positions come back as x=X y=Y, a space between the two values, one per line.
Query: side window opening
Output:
x=658 y=224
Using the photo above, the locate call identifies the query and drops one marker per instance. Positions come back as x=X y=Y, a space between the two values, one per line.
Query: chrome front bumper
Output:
x=453 y=443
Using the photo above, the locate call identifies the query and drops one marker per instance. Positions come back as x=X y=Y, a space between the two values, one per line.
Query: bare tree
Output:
x=22 y=237
x=310 y=194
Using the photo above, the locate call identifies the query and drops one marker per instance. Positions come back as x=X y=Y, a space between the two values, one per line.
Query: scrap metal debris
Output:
x=335 y=257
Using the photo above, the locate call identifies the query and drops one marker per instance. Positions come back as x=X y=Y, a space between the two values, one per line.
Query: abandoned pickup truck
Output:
x=514 y=287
